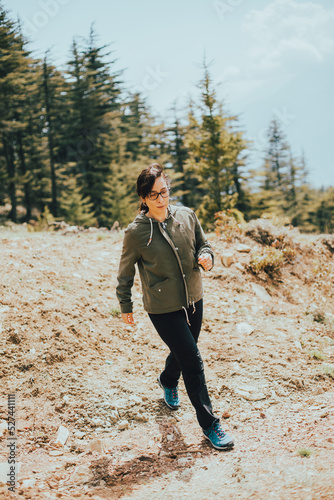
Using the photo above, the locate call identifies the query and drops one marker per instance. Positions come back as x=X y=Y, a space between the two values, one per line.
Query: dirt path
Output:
x=70 y=361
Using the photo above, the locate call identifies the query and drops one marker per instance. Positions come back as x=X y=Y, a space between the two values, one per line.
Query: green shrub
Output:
x=229 y=224
x=271 y=232
x=304 y=452
x=115 y=312
x=44 y=221
x=270 y=261
x=316 y=354
x=329 y=370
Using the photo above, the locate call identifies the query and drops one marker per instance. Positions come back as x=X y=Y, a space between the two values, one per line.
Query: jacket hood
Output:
x=143 y=219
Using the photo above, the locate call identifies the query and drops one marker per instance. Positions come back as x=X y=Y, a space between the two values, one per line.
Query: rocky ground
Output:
x=90 y=419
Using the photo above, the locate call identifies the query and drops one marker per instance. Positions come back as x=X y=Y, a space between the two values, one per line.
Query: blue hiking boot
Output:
x=171 y=396
x=218 y=438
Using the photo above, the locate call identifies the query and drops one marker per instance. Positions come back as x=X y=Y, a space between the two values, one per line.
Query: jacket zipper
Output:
x=166 y=236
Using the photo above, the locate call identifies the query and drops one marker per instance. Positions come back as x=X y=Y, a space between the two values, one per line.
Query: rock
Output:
x=235 y=368
x=113 y=416
x=62 y=435
x=226 y=414
x=79 y=434
x=186 y=475
x=141 y=417
x=243 y=248
x=82 y=475
x=56 y=453
x=182 y=461
x=70 y=230
x=298 y=344
x=258 y=406
x=97 y=445
x=97 y=421
x=29 y=483
x=239 y=266
x=244 y=328
x=227 y=259
x=274 y=398
x=136 y=399
x=249 y=392
x=124 y=424
x=260 y=291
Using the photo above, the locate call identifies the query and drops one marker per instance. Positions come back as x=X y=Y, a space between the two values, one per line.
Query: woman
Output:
x=168 y=245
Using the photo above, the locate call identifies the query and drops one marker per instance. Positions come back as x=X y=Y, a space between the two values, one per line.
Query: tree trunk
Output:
x=23 y=167
x=11 y=180
x=54 y=202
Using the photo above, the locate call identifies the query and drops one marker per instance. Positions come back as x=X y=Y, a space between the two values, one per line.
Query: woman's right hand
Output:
x=128 y=318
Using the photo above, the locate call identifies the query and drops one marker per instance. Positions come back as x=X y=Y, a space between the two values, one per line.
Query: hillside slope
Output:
x=268 y=349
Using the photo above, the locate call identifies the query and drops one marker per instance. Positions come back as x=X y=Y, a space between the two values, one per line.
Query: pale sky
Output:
x=271 y=58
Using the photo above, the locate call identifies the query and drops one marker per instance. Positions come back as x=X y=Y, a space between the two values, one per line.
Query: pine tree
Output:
x=296 y=195
x=53 y=96
x=14 y=66
x=320 y=214
x=274 y=174
x=215 y=153
x=178 y=156
x=74 y=207
x=92 y=140
x=277 y=157
x=20 y=121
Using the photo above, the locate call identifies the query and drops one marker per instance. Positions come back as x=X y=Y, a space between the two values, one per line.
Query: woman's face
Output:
x=159 y=206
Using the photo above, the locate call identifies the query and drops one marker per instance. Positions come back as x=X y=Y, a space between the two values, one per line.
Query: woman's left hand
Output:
x=205 y=260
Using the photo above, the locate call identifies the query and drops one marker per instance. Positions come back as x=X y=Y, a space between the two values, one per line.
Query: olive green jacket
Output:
x=166 y=254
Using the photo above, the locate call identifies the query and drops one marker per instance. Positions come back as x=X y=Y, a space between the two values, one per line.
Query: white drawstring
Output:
x=185 y=310
x=176 y=219
x=151 y=235
x=194 y=308
x=171 y=215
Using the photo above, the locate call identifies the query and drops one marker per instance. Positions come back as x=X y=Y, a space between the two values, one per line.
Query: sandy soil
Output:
x=70 y=361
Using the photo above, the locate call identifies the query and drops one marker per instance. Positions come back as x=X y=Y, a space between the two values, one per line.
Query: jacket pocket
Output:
x=159 y=289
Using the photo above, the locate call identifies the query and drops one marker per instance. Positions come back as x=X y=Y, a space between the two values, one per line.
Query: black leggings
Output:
x=185 y=358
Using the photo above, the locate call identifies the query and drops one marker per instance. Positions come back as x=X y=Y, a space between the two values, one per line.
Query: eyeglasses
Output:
x=153 y=195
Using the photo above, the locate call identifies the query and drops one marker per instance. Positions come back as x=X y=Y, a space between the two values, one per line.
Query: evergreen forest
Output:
x=73 y=141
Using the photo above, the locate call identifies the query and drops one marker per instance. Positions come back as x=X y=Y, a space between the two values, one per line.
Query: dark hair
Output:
x=146 y=180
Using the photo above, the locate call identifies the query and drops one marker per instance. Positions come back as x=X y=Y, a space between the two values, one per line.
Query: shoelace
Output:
x=174 y=393
x=219 y=431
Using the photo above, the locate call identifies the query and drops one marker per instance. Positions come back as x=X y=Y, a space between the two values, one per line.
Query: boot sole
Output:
x=226 y=447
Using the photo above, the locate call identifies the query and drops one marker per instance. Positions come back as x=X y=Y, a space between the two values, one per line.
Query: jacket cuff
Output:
x=126 y=308
x=210 y=252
